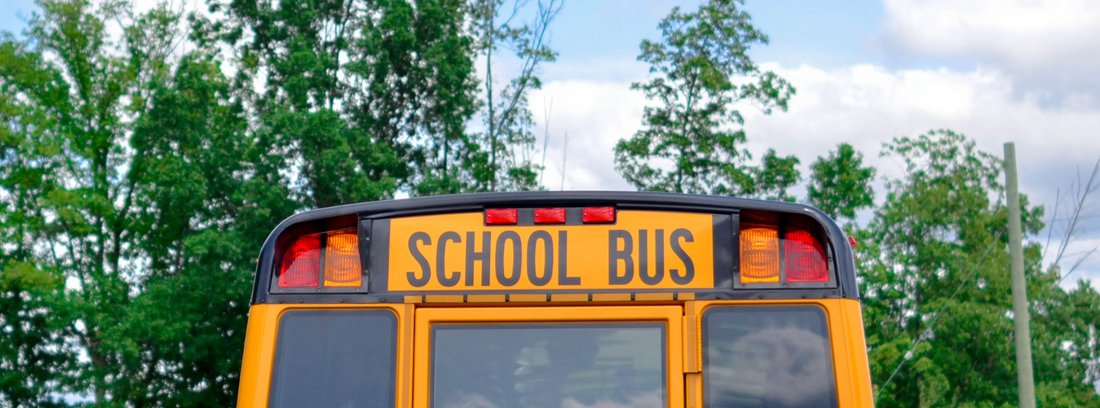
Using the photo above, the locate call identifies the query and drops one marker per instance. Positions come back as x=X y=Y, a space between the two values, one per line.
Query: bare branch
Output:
x=547 y=14
x=516 y=7
x=1053 y=219
x=529 y=44
x=1081 y=193
x=564 y=155
x=1077 y=264
x=545 y=137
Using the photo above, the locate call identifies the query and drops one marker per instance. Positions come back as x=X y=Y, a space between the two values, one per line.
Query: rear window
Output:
x=767 y=356
x=335 y=359
x=549 y=366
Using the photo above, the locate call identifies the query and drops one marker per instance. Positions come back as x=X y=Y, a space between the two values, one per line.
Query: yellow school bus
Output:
x=556 y=300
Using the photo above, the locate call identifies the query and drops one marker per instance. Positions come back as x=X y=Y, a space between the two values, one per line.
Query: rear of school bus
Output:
x=556 y=300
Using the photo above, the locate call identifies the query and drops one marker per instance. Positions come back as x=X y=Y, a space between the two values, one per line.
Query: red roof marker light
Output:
x=501 y=216
x=549 y=216
x=598 y=215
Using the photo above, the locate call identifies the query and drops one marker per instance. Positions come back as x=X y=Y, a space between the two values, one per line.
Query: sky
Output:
x=865 y=71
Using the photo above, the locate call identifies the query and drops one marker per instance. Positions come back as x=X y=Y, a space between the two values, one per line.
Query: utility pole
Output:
x=1019 y=285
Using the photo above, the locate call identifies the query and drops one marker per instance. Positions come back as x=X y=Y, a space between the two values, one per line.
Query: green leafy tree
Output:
x=31 y=313
x=31 y=352
x=935 y=282
x=341 y=142
x=71 y=109
x=692 y=140
x=839 y=184
x=130 y=214
x=199 y=231
x=775 y=176
x=360 y=100
x=444 y=160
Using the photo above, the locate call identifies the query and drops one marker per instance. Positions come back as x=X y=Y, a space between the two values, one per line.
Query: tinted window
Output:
x=548 y=366
x=338 y=359
x=767 y=357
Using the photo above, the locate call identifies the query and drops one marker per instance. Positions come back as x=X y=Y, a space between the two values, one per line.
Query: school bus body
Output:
x=665 y=304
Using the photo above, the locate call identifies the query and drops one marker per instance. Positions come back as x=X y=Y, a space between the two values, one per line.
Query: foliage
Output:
x=122 y=166
x=702 y=69
x=935 y=283
x=31 y=313
x=352 y=92
x=839 y=184
x=137 y=182
x=30 y=357
x=774 y=176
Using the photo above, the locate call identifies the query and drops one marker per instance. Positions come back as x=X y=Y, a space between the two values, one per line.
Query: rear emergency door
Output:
x=548 y=357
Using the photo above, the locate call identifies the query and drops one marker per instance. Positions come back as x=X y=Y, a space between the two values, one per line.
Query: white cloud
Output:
x=596 y=114
x=868 y=105
x=1052 y=47
x=863 y=105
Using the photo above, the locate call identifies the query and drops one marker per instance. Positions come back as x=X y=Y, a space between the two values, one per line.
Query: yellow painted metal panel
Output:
x=527 y=297
x=569 y=297
x=860 y=374
x=611 y=297
x=643 y=296
x=845 y=325
x=443 y=299
x=430 y=253
x=485 y=298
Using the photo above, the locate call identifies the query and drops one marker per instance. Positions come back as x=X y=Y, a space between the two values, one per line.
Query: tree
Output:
x=839 y=184
x=365 y=99
x=68 y=121
x=31 y=352
x=443 y=164
x=702 y=69
x=129 y=224
x=199 y=231
x=507 y=161
x=774 y=176
x=322 y=108
x=934 y=274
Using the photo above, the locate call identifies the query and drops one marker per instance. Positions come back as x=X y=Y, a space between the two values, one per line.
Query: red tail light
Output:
x=501 y=216
x=805 y=258
x=550 y=216
x=594 y=215
x=764 y=246
x=335 y=253
x=301 y=263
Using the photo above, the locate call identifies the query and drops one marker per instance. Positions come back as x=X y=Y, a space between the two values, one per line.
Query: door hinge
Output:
x=692 y=345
